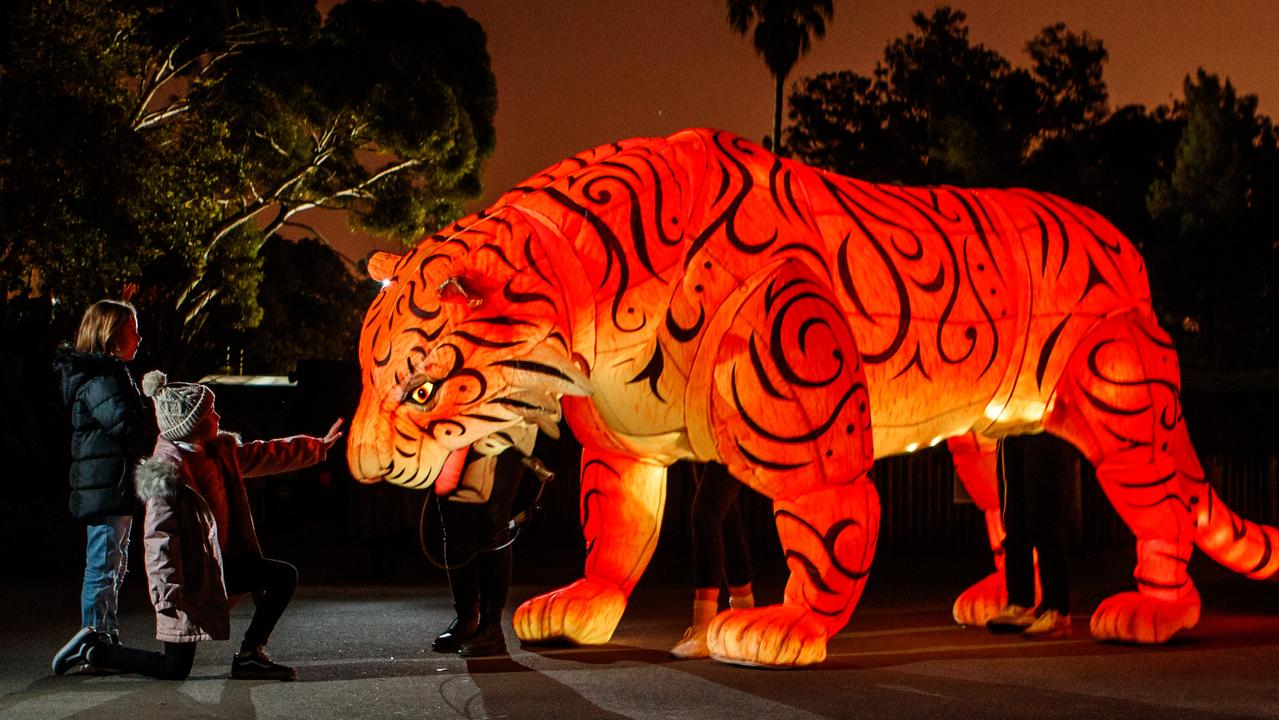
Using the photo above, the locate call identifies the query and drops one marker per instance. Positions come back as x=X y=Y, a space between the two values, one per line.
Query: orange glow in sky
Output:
x=572 y=75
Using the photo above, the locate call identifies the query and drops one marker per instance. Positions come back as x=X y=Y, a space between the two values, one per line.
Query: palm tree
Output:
x=783 y=32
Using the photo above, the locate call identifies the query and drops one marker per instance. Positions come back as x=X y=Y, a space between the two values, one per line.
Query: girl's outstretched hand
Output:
x=334 y=434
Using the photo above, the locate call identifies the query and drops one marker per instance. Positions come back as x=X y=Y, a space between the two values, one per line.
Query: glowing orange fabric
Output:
x=695 y=297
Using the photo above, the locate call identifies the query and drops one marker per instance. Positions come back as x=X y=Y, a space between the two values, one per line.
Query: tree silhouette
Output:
x=938 y=109
x=1216 y=211
x=1068 y=67
x=782 y=34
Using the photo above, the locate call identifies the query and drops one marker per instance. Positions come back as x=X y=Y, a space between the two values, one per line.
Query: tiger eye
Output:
x=422 y=393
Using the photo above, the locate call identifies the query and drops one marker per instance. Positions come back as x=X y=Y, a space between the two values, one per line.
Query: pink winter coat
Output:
x=184 y=562
x=194 y=493
x=219 y=470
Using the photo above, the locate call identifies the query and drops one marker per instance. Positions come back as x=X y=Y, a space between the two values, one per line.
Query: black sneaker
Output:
x=259 y=666
x=95 y=657
x=74 y=652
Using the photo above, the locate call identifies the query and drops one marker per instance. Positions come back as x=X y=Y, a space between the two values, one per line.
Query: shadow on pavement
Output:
x=233 y=701
x=508 y=688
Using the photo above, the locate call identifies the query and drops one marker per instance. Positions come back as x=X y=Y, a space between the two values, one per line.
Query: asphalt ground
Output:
x=363 y=652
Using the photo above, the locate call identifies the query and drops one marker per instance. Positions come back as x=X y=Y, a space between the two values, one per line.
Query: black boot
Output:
x=458 y=632
x=488 y=638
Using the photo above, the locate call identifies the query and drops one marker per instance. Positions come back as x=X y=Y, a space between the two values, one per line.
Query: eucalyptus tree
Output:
x=160 y=143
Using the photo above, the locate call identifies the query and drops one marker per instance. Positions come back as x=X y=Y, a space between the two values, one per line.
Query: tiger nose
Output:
x=367 y=462
x=368 y=453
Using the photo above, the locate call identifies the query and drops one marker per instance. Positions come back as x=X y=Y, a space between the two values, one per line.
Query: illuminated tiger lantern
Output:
x=697 y=298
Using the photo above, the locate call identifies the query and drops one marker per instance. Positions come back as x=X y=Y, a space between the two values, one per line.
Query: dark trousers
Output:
x=473 y=530
x=720 y=551
x=172 y=664
x=481 y=584
x=1035 y=470
x=272 y=583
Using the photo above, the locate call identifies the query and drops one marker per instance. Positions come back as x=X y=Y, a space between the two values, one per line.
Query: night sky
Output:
x=574 y=74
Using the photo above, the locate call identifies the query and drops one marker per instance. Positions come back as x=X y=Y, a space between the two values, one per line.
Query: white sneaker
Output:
x=693 y=644
x=1013 y=618
x=1050 y=624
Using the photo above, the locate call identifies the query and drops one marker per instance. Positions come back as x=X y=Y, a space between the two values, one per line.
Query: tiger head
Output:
x=462 y=346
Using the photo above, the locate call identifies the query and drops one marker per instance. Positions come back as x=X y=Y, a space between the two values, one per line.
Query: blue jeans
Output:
x=106 y=560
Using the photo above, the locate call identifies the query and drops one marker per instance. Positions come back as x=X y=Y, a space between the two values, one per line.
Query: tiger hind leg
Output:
x=1119 y=402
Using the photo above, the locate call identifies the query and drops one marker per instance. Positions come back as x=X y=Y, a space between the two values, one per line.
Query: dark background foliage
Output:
x=157 y=148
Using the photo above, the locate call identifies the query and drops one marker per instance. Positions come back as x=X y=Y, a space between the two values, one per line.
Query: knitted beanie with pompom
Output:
x=179 y=406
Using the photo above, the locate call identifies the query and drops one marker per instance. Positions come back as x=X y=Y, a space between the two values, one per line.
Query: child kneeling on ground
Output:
x=201 y=546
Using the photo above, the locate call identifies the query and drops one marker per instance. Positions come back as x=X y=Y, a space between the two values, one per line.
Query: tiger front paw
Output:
x=982 y=601
x=1133 y=617
x=584 y=613
x=781 y=636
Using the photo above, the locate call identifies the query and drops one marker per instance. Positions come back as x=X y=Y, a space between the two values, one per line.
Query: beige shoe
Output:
x=1050 y=624
x=693 y=644
x=1013 y=618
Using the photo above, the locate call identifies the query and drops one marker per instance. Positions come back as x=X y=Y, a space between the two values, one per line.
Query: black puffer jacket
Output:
x=112 y=430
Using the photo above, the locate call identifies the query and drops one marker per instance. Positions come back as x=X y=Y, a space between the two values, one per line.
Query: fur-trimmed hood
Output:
x=156 y=477
x=185 y=578
x=75 y=369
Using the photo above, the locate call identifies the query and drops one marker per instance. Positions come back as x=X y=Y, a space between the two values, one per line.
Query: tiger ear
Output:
x=458 y=291
x=382 y=265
